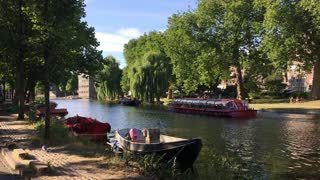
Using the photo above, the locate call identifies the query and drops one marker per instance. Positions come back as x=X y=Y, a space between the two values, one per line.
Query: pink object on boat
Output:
x=133 y=134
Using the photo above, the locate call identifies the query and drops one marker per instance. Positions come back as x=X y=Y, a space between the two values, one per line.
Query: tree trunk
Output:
x=170 y=94
x=20 y=90
x=30 y=91
x=4 y=90
x=239 y=83
x=32 y=94
x=47 y=101
x=26 y=91
x=46 y=75
x=315 y=92
x=20 y=67
x=15 y=97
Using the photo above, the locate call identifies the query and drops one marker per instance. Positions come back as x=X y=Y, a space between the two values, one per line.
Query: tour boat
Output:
x=233 y=108
x=183 y=151
x=88 y=127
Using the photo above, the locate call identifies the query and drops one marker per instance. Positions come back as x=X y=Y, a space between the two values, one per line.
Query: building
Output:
x=298 y=79
x=86 y=88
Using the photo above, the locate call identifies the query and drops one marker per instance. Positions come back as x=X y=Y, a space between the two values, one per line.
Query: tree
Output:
x=72 y=84
x=65 y=43
x=125 y=81
x=292 y=33
x=108 y=80
x=15 y=28
x=148 y=71
x=231 y=29
x=150 y=77
x=190 y=66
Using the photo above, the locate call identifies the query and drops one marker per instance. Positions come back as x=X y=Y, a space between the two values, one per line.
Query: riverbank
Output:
x=66 y=162
x=302 y=106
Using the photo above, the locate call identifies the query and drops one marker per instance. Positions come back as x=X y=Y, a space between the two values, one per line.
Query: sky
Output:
x=118 y=21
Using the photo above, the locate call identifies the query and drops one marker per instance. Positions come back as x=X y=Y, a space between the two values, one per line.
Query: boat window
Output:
x=230 y=105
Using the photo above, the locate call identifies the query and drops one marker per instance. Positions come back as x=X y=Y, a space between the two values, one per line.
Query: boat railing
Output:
x=203 y=104
x=104 y=134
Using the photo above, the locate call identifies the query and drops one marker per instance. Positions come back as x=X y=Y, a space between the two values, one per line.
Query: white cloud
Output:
x=113 y=42
x=130 y=32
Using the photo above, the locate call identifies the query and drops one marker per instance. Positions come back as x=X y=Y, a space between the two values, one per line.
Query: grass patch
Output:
x=60 y=136
x=224 y=165
x=150 y=165
x=165 y=101
x=304 y=105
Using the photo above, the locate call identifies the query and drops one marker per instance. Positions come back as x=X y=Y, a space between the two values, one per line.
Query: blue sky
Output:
x=118 y=21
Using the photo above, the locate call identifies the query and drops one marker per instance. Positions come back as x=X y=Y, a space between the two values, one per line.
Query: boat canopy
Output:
x=202 y=101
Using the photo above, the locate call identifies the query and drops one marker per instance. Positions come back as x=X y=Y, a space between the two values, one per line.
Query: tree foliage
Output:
x=191 y=66
x=292 y=34
x=204 y=44
x=148 y=72
x=45 y=41
x=108 y=80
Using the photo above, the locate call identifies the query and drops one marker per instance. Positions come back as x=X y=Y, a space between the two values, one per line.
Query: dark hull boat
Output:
x=88 y=127
x=185 y=151
x=53 y=112
x=233 y=108
x=129 y=102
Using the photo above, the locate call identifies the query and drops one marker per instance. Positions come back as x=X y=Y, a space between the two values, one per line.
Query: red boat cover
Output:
x=87 y=126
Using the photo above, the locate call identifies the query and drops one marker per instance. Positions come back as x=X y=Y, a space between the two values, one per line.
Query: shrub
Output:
x=58 y=133
x=223 y=166
x=304 y=95
x=33 y=108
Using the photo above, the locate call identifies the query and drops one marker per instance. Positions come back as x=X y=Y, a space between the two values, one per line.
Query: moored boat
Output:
x=53 y=112
x=233 y=108
x=88 y=127
x=150 y=141
x=128 y=101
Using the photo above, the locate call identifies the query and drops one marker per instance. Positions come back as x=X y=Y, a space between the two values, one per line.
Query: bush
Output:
x=230 y=92
x=224 y=166
x=58 y=133
x=254 y=95
x=154 y=165
x=33 y=108
x=304 y=95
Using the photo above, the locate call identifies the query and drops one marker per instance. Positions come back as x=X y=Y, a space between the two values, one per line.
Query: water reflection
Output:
x=302 y=148
x=271 y=148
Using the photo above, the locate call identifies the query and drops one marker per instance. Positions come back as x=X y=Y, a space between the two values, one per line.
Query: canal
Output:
x=261 y=148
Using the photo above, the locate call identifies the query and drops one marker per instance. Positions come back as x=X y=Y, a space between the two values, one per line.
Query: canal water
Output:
x=263 y=148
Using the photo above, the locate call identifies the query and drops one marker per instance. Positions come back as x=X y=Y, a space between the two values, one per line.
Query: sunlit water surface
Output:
x=269 y=148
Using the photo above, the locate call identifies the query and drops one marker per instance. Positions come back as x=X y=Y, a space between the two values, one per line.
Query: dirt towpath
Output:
x=66 y=164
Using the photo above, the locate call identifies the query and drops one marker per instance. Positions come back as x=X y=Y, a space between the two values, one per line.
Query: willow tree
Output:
x=148 y=70
x=150 y=77
x=108 y=80
x=293 y=34
x=125 y=81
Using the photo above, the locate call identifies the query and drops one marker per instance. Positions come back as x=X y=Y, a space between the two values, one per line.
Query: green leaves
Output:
x=108 y=80
x=148 y=73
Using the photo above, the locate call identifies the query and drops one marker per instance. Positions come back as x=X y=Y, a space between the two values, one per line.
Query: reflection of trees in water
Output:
x=241 y=144
x=303 y=148
x=267 y=148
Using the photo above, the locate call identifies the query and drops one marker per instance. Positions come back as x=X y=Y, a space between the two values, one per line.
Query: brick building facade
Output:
x=86 y=88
